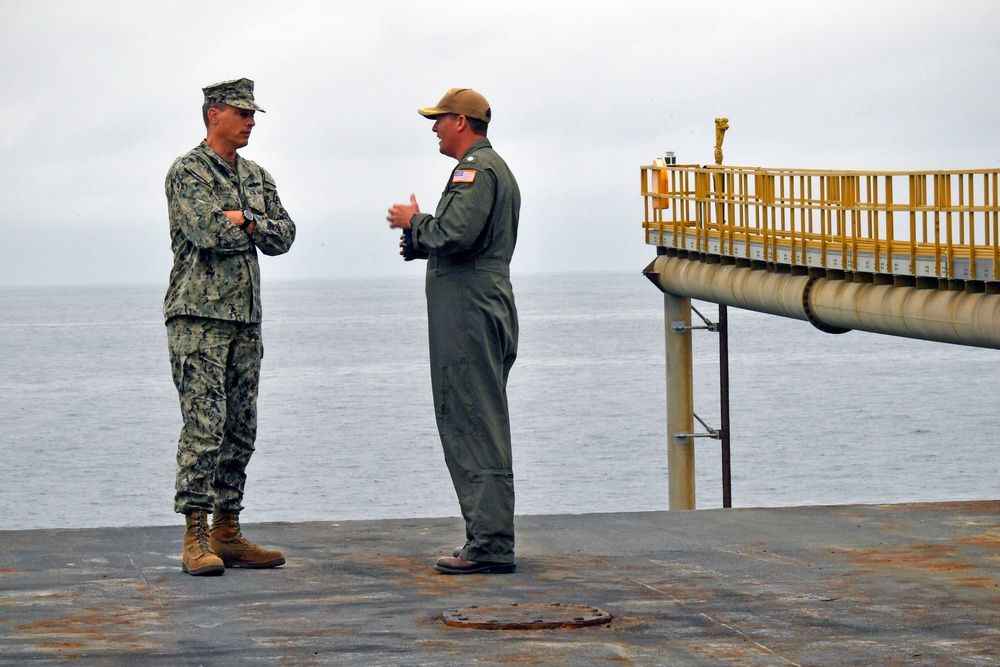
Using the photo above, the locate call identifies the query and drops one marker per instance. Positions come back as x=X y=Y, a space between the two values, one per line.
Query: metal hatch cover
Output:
x=525 y=617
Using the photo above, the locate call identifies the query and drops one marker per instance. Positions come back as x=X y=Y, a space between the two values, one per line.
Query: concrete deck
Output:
x=851 y=585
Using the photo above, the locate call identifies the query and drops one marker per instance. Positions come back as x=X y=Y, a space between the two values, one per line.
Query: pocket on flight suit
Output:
x=456 y=409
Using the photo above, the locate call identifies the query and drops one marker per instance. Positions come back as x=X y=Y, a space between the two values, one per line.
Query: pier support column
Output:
x=680 y=401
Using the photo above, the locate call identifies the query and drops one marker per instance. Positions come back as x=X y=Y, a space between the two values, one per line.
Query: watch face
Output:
x=248 y=214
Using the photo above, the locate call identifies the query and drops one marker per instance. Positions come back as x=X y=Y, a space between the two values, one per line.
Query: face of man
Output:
x=231 y=126
x=446 y=128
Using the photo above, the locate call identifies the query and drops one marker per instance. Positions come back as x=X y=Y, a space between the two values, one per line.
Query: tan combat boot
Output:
x=235 y=550
x=198 y=558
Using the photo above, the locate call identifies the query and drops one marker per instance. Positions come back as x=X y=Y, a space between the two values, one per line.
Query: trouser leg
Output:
x=486 y=497
x=242 y=382
x=479 y=461
x=201 y=351
x=472 y=350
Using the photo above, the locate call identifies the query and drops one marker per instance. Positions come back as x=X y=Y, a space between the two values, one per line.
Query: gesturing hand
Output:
x=400 y=214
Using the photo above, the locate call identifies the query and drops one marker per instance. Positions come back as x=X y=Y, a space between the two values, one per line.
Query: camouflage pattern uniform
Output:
x=469 y=242
x=213 y=312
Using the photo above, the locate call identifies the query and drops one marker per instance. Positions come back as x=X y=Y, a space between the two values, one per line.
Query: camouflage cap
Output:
x=462 y=101
x=236 y=93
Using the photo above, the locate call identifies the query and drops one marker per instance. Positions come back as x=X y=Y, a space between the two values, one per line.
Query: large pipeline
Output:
x=835 y=305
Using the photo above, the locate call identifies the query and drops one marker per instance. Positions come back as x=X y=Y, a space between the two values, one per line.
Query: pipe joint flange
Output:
x=811 y=316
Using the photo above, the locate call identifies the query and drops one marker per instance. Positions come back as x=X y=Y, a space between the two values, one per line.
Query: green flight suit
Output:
x=472 y=322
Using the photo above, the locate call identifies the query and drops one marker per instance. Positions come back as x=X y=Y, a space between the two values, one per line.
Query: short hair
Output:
x=215 y=105
x=477 y=126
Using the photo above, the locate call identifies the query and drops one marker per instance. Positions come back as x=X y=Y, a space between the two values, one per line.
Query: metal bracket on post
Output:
x=681 y=438
x=678 y=326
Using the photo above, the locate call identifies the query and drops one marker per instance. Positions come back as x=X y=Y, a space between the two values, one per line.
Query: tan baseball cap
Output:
x=236 y=93
x=462 y=101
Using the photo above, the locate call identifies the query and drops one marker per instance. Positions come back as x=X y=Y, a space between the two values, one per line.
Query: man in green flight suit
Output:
x=472 y=322
x=222 y=208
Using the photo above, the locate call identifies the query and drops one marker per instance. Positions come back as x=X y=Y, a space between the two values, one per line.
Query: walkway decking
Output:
x=852 y=585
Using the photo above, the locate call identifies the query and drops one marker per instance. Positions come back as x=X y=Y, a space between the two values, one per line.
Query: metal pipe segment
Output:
x=944 y=316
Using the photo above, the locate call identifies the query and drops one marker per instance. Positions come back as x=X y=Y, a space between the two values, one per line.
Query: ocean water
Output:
x=89 y=417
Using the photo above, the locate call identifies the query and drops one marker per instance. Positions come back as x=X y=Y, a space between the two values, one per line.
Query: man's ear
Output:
x=213 y=115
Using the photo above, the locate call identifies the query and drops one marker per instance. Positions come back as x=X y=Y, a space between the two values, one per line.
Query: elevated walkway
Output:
x=911 y=584
x=889 y=227
x=913 y=254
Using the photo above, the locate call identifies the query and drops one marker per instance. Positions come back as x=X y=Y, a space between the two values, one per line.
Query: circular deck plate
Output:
x=525 y=617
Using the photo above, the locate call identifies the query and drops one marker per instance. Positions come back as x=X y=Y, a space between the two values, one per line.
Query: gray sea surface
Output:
x=89 y=417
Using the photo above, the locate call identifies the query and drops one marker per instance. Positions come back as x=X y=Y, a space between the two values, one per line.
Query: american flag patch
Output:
x=464 y=176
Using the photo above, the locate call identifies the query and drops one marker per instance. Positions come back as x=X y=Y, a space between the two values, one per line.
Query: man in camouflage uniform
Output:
x=222 y=209
x=472 y=323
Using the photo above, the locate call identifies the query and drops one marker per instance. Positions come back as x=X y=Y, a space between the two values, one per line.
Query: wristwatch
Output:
x=248 y=217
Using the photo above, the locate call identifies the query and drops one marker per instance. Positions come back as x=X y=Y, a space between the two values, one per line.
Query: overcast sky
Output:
x=98 y=98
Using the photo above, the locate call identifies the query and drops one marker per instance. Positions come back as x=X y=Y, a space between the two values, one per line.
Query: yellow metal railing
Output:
x=935 y=224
